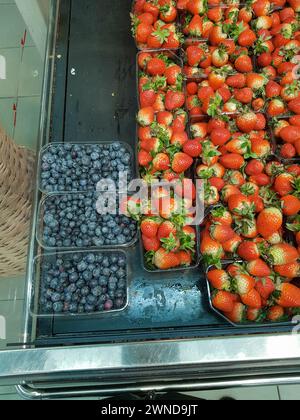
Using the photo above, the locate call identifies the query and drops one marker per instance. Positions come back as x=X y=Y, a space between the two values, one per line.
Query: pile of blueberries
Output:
x=79 y=167
x=72 y=221
x=83 y=283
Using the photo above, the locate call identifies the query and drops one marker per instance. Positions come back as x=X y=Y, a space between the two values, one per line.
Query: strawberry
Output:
x=232 y=245
x=189 y=231
x=146 y=116
x=248 y=251
x=142 y=32
x=149 y=227
x=235 y=269
x=244 y=95
x=254 y=167
x=166 y=229
x=165 y=260
x=228 y=191
x=220 y=136
x=269 y=221
x=243 y=64
x=288 y=151
x=194 y=55
x=221 y=215
x=258 y=268
x=265 y=287
x=151 y=244
x=276 y=107
x=283 y=184
x=288 y=296
x=237 y=81
x=246 y=122
x=221 y=233
x=247 y=38
x=254 y=315
x=156 y=67
x=273 y=89
x=282 y=254
x=219 y=279
x=199 y=130
x=210 y=249
x=238 y=314
x=171 y=244
x=290 y=271
x=196 y=7
x=152 y=145
x=290 y=205
x=179 y=138
x=193 y=148
x=181 y=162
x=276 y=314
x=161 y=162
x=252 y=299
x=144 y=158
x=223 y=301
x=294 y=106
x=232 y=161
x=185 y=258
x=240 y=205
x=244 y=283
x=290 y=134
x=174 y=100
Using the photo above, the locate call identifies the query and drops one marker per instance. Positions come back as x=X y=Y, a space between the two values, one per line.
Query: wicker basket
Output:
x=16 y=180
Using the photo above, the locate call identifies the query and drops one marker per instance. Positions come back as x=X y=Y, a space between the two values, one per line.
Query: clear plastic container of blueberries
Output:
x=246 y=324
x=70 y=234
x=169 y=53
x=67 y=294
x=60 y=147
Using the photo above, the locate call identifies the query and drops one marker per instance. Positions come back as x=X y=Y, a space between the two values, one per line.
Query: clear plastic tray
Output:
x=195 y=264
x=171 y=53
x=248 y=324
x=142 y=47
x=40 y=226
x=53 y=145
x=45 y=258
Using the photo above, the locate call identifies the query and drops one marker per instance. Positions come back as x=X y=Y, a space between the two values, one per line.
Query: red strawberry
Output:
x=152 y=145
x=265 y=287
x=223 y=301
x=237 y=315
x=193 y=148
x=246 y=122
x=174 y=100
x=221 y=233
x=144 y=158
x=253 y=315
x=243 y=64
x=247 y=38
x=290 y=271
x=252 y=299
x=248 y=251
x=283 y=254
x=269 y=221
x=156 y=67
x=294 y=106
x=244 y=283
x=219 y=279
x=290 y=205
x=151 y=244
x=237 y=81
x=181 y=162
x=146 y=116
x=258 y=268
x=283 y=184
x=196 y=7
x=161 y=162
x=220 y=136
x=289 y=296
x=166 y=229
x=149 y=227
x=254 y=167
x=275 y=313
x=240 y=205
x=165 y=260
x=232 y=161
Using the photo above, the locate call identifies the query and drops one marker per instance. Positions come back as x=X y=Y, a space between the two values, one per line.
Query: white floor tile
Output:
x=244 y=394
x=289 y=392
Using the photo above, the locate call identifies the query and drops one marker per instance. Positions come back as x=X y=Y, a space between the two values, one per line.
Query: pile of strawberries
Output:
x=242 y=97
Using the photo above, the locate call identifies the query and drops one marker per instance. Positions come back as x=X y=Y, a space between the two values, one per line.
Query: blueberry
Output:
x=73 y=308
x=58 y=307
x=82 y=266
x=85 y=291
x=97 y=291
x=55 y=297
x=89 y=308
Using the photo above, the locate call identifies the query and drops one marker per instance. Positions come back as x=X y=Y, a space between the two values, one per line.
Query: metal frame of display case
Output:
x=155 y=365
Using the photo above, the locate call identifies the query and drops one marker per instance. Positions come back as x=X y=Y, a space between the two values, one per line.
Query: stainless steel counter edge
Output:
x=228 y=354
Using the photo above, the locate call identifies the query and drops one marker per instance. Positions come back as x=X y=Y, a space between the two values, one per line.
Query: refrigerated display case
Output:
x=167 y=337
